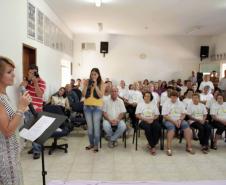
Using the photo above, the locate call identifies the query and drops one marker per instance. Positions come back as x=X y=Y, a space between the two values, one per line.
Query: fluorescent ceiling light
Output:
x=98 y=3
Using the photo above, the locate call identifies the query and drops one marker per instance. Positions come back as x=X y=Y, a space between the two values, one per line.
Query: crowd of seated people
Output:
x=183 y=106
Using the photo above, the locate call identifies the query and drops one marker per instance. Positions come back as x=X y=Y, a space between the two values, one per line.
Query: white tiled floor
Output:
x=120 y=164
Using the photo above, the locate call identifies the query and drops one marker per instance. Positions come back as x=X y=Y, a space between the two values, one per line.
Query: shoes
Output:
x=36 y=155
x=107 y=138
x=204 y=150
x=111 y=144
x=89 y=147
x=95 y=149
x=30 y=151
x=115 y=143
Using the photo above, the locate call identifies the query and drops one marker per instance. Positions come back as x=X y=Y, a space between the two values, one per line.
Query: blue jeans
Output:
x=93 y=115
x=171 y=126
x=28 y=118
x=121 y=127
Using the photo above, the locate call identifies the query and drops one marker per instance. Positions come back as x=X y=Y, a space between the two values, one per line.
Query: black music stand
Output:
x=47 y=134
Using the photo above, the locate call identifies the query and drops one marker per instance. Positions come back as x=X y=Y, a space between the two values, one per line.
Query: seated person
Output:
x=173 y=112
x=218 y=113
x=165 y=95
x=135 y=96
x=197 y=114
x=107 y=91
x=123 y=90
x=147 y=112
x=114 y=112
x=154 y=94
x=206 y=82
x=73 y=99
x=60 y=99
x=205 y=95
x=188 y=97
x=213 y=100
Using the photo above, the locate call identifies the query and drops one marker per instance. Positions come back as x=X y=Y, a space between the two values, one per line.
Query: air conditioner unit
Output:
x=88 y=46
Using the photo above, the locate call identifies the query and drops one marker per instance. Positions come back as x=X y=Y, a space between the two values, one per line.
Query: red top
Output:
x=36 y=101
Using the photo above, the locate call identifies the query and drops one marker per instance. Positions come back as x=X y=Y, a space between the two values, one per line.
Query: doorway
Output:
x=29 y=57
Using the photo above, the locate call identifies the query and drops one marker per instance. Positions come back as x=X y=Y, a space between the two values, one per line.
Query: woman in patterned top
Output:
x=10 y=119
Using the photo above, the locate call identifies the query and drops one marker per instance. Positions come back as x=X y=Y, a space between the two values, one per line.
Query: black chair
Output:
x=64 y=129
x=77 y=116
x=57 y=135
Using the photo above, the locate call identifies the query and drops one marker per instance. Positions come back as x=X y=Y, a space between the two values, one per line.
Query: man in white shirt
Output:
x=206 y=82
x=205 y=95
x=114 y=112
x=218 y=113
x=197 y=114
x=174 y=112
x=193 y=77
x=165 y=95
x=135 y=96
x=123 y=90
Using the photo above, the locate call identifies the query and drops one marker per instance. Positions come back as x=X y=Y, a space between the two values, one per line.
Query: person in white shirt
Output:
x=147 y=112
x=205 y=95
x=193 y=77
x=123 y=90
x=135 y=96
x=154 y=94
x=197 y=114
x=213 y=100
x=107 y=91
x=206 y=82
x=188 y=97
x=173 y=112
x=114 y=112
x=165 y=95
x=218 y=113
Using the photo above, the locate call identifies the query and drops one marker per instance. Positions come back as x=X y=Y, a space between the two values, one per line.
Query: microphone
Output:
x=31 y=107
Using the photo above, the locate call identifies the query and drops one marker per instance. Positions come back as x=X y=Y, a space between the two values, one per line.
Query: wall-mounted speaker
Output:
x=104 y=47
x=204 y=52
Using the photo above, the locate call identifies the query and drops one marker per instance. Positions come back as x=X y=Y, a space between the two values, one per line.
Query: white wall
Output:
x=168 y=57
x=218 y=43
x=13 y=33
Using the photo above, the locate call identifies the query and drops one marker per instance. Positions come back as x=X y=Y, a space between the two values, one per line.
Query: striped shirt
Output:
x=36 y=101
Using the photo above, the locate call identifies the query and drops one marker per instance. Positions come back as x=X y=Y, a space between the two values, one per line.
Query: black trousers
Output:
x=204 y=132
x=152 y=132
x=220 y=127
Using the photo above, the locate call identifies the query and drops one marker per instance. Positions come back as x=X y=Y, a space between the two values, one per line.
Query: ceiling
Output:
x=143 y=17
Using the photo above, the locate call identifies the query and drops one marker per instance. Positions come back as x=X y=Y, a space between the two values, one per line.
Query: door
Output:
x=29 y=57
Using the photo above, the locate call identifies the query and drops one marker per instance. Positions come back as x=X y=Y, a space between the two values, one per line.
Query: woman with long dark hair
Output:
x=93 y=90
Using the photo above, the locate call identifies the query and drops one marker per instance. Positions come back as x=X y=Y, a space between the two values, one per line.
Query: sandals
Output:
x=152 y=151
x=169 y=152
x=189 y=150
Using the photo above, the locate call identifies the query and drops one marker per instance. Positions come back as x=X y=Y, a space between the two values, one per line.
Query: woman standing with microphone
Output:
x=93 y=90
x=10 y=119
